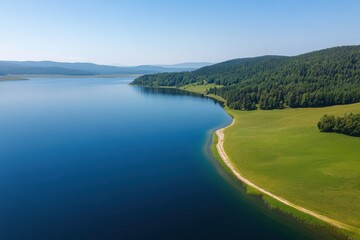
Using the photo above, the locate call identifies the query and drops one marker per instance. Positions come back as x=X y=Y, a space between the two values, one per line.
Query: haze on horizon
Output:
x=141 y=32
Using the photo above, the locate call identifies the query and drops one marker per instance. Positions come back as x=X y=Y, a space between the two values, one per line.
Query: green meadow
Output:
x=202 y=88
x=283 y=152
x=198 y=88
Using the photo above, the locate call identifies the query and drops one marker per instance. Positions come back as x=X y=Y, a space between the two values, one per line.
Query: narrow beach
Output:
x=226 y=160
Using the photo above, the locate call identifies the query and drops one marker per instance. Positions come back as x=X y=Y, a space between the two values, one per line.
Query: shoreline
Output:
x=17 y=77
x=348 y=231
x=226 y=160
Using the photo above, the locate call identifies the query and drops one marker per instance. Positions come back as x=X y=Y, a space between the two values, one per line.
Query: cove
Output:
x=95 y=158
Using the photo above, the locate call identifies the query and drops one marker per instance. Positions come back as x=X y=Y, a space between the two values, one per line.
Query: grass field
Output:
x=283 y=152
x=198 y=88
x=202 y=90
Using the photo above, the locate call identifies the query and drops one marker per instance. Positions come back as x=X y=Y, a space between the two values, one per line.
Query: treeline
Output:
x=226 y=73
x=275 y=95
x=349 y=124
x=165 y=79
x=323 y=78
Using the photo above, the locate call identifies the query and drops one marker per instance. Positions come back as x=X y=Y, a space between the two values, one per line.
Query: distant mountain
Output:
x=19 y=68
x=64 y=68
x=321 y=78
x=189 y=65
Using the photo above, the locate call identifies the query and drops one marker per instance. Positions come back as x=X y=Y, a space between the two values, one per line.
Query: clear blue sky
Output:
x=167 y=31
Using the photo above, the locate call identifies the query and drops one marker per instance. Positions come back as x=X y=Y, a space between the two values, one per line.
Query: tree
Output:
x=327 y=123
x=349 y=124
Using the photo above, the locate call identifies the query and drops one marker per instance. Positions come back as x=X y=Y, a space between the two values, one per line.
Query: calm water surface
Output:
x=88 y=158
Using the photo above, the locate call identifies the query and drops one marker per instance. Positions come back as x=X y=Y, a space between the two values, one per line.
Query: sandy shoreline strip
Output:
x=225 y=158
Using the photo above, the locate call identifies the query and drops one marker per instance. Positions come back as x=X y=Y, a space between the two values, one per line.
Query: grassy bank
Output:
x=283 y=152
x=196 y=88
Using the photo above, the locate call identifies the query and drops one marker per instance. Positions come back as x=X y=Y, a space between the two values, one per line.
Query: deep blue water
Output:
x=88 y=158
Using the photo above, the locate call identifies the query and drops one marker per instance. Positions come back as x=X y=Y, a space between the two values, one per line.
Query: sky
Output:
x=136 y=32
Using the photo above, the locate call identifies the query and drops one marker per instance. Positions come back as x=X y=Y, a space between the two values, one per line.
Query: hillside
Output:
x=189 y=65
x=322 y=78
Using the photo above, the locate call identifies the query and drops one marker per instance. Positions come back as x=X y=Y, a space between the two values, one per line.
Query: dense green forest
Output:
x=349 y=124
x=322 y=78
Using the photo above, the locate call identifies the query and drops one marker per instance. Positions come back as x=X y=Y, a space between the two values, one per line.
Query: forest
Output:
x=317 y=79
x=348 y=125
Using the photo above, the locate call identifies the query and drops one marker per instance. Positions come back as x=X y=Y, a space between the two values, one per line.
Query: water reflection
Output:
x=171 y=92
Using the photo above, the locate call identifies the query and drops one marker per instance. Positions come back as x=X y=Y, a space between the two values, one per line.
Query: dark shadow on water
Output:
x=172 y=92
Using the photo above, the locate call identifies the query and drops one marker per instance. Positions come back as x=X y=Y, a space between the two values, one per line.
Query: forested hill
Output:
x=322 y=78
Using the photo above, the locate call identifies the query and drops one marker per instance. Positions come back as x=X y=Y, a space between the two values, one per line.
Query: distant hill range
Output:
x=321 y=78
x=64 y=68
x=189 y=65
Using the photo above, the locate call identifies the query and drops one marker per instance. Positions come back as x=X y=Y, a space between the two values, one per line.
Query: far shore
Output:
x=17 y=77
x=12 y=78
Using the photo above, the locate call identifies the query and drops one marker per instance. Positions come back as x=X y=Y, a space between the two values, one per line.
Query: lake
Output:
x=95 y=158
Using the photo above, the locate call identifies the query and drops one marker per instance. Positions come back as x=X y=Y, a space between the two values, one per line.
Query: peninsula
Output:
x=281 y=154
